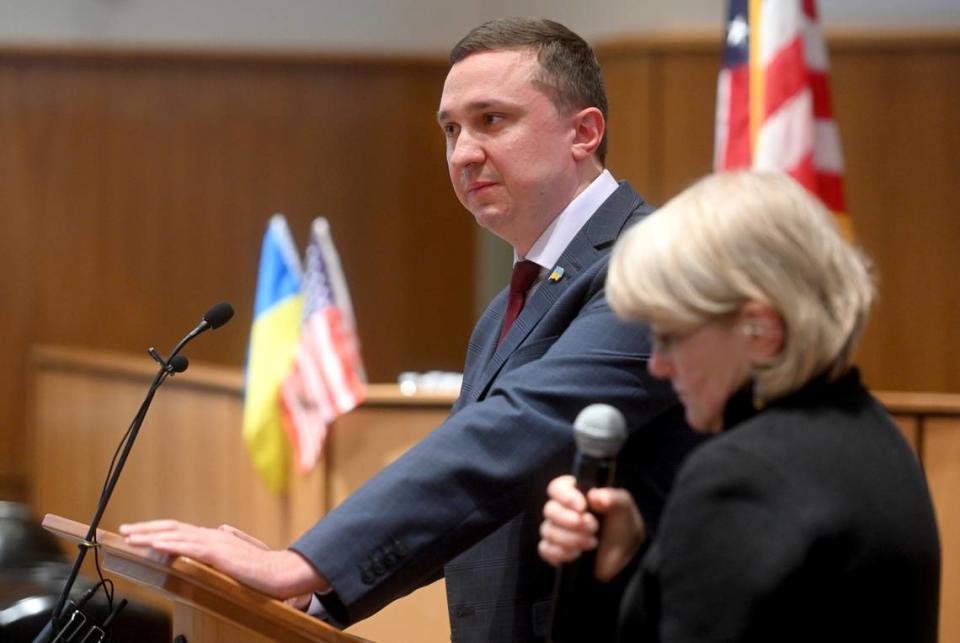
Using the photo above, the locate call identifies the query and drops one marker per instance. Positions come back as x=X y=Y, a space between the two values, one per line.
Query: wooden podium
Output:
x=190 y=462
x=208 y=607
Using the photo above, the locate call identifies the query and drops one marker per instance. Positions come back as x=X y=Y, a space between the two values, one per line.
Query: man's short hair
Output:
x=569 y=70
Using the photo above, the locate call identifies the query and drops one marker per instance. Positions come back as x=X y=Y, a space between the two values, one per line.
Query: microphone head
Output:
x=599 y=431
x=219 y=315
x=178 y=363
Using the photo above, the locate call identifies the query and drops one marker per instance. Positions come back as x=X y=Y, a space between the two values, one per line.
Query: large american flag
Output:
x=327 y=375
x=773 y=98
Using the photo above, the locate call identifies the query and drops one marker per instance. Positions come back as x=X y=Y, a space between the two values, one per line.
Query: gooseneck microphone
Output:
x=216 y=317
x=178 y=364
x=599 y=432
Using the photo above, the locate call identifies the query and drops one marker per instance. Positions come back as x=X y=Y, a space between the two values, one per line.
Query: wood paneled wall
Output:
x=135 y=186
x=135 y=190
x=896 y=99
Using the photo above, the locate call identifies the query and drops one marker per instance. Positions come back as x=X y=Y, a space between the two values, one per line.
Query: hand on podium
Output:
x=282 y=574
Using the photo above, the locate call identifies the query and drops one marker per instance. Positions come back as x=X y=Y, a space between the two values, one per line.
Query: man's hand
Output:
x=569 y=529
x=282 y=574
x=301 y=602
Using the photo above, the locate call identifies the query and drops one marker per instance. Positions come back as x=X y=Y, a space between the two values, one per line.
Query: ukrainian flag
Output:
x=273 y=341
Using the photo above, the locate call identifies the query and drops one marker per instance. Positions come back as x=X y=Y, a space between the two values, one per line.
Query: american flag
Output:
x=327 y=375
x=773 y=98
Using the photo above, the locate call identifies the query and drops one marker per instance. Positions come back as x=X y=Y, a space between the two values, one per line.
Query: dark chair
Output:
x=33 y=570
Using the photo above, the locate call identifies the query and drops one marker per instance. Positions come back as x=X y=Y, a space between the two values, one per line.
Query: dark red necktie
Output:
x=524 y=274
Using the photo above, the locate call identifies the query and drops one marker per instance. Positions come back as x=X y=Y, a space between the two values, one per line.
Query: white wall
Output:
x=387 y=25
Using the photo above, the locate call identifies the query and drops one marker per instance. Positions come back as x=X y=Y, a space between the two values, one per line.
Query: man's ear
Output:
x=764 y=331
x=589 y=127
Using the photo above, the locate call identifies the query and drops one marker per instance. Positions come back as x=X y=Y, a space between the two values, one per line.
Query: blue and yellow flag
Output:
x=273 y=342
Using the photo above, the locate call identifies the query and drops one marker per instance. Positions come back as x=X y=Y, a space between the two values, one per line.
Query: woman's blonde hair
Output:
x=741 y=236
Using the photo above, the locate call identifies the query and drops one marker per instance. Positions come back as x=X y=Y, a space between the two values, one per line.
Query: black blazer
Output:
x=466 y=501
x=810 y=521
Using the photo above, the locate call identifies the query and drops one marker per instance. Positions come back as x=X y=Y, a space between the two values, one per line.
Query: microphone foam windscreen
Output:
x=219 y=315
x=179 y=363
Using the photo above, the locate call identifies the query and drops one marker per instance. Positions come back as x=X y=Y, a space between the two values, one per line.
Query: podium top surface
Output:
x=190 y=582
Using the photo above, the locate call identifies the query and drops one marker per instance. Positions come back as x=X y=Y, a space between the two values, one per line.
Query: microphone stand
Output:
x=169 y=367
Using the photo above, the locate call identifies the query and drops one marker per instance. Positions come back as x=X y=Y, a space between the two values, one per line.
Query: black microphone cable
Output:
x=215 y=317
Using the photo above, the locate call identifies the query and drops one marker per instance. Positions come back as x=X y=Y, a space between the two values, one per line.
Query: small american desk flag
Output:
x=327 y=375
x=773 y=99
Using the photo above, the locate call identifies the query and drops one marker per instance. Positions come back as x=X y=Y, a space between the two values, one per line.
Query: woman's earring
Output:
x=758 y=400
x=753 y=329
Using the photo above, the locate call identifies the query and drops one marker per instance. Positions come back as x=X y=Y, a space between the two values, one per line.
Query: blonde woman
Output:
x=807 y=517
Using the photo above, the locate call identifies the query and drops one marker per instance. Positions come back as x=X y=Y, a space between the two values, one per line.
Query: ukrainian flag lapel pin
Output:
x=557 y=274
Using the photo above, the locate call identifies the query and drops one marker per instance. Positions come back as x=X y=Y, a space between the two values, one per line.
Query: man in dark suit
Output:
x=523 y=112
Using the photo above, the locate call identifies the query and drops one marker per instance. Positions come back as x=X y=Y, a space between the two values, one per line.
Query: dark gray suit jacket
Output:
x=465 y=502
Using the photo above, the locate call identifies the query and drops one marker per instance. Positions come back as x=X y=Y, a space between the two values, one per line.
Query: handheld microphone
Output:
x=599 y=431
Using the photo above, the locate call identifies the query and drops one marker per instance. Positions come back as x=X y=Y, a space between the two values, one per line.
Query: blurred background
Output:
x=144 y=145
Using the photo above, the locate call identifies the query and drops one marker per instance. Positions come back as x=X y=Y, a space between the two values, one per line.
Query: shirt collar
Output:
x=548 y=247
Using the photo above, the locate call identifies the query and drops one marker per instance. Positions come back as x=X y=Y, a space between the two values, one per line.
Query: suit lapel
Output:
x=593 y=240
